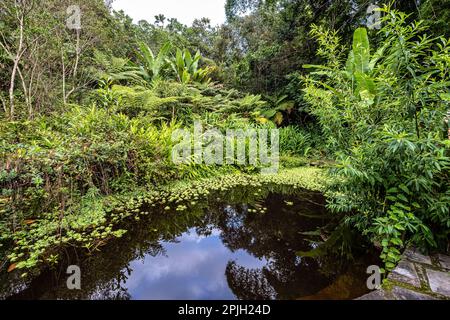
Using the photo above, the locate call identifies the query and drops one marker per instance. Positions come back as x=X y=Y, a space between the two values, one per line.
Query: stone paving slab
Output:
x=416 y=277
x=400 y=293
x=444 y=261
x=439 y=282
x=375 y=295
x=405 y=272
x=415 y=255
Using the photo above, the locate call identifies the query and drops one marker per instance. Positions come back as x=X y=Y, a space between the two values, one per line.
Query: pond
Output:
x=239 y=245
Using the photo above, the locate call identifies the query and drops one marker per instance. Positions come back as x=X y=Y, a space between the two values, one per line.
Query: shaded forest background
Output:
x=260 y=49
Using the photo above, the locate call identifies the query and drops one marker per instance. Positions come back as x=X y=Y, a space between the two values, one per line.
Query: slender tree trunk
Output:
x=77 y=57
x=15 y=66
x=25 y=91
x=75 y=69
x=63 y=77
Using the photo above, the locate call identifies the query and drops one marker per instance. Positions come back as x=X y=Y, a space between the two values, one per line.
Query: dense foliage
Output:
x=383 y=112
x=88 y=114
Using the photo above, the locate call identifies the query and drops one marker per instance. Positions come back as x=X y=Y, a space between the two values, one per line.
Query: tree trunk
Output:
x=15 y=67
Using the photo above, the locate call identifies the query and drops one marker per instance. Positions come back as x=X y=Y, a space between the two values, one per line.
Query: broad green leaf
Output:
x=365 y=83
x=361 y=50
x=404 y=188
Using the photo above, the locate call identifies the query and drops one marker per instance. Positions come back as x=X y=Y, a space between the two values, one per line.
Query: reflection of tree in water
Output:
x=105 y=273
x=273 y=236
x=248 y=284
x=112 y=290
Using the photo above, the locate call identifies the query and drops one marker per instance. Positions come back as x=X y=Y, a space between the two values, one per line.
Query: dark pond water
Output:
x=219 y=249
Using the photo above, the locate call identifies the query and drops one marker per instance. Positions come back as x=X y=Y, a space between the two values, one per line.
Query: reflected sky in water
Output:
x=218 y=250
x=193 y=267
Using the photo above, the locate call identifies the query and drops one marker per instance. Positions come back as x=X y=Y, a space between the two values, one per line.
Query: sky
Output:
x=193 y=268
x=186 y=11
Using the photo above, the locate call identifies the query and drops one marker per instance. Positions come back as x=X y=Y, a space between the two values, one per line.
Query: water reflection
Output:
x=190 y=269
x=219 y=249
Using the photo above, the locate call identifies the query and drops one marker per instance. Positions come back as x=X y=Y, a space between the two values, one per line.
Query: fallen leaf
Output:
x=12 y=267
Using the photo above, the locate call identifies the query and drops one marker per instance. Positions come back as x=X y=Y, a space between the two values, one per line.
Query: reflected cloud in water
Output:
x=193 y=267
x=217 y=250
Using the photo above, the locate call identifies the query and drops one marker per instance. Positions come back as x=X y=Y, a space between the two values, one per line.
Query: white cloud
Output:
x=184 y=10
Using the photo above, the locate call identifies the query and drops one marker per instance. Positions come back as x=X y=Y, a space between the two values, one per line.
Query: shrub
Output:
x=383 y=115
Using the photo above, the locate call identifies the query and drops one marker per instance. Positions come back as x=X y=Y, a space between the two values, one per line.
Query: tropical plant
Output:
x=295 y=141
x=151 y=66
x=186 y=67
x=279 y=107
x=383 y=115
x=148 y=67
x=142 y=101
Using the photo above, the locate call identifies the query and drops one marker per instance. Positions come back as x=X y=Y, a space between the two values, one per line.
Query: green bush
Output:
x=294 y=141
x=383 y=115
x=301 y=141
x=57 y=173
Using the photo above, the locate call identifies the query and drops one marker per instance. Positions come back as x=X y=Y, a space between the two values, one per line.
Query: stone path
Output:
x=417 y=277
